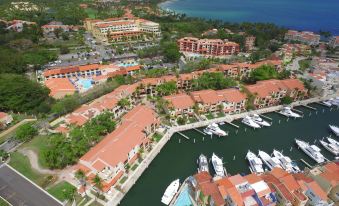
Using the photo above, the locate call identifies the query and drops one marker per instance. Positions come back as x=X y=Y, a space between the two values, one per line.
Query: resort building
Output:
x=5 y=119
x=18 y=25
x=305 y=37
x=60 y=87
x=121 y=29
x=334 y=42
x=109 y=158
x=270 y=92
x=249 y=43
x=289 y=51
x=208 y=47
x=180 y=104
x=54 y=25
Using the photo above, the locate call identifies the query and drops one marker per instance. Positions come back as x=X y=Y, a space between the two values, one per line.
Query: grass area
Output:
x=304 y=64
x=157 y=137
x=91 y=13
x=62 y=191
x=3 y=203
x=21 y=164
x=123 y=179
x=192 y=119
x=37 y=144
x=210 y=116
x=221 y=114
x=134 y=167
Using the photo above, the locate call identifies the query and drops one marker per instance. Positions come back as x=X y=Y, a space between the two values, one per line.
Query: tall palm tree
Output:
x=98 y=183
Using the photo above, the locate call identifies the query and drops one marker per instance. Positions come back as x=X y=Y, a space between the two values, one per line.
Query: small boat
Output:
x=255 y=162
x=328 y=103
x=214 y=129
x=334 y=129
x=203 y=163
x=311 y=150
x=249 y=122
x=257 y=119
x=335 y=101
x=171 y=190
x=218 y=166
x=332 y=141
x=286 y=162
x=270 y=162
x=330 y=147
x=287 y=111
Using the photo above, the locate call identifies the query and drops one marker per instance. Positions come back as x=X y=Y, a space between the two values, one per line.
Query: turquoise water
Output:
x=127 y=64
x=85 y=83
x=313 y=15
x=178 y=158
x=183 y=199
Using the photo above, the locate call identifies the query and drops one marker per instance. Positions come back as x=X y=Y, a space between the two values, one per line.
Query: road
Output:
x=19 y=191
x=294 y=65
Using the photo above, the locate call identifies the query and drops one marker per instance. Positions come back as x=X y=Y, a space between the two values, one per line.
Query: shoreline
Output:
x=132 y=178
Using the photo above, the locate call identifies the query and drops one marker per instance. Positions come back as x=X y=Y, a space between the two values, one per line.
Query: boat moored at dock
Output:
x=287 y=111
x=255 y=163
x=257 y=119
x=334 y=129
x=249 y=122
x=332 y=141
x=218 y=166
x=170 y=191
x=311 y=150
x=330 y=147
x=270 y=162
x=286 y=162
x=215 y=129
x=203 y=163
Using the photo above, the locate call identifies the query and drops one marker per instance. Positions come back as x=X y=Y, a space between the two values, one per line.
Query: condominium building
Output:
x=109 y=158
x=121 y=29
x=54 y=25
x=334 y=42
x=180 y=104
x=208 y=47
x=249 y=43
x=305 y=37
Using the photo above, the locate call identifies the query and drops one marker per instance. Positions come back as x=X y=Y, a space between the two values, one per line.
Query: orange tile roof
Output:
x=278 y=172
x=290 y=182
x=232 y=95
x=317 y=190
x=3 y=115
x=71 y=69
x=253 y=178
x=180 y=101
x=237 y=179
x=203 y=177
x=267 y=87
x=293 y=84
x=59 y=85
x=206 y=96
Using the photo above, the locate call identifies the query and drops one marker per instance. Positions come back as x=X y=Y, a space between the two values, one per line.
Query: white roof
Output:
x=259 y=186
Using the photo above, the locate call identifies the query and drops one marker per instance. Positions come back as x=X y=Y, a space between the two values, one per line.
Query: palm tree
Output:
x=98 y=183
x=80 y=175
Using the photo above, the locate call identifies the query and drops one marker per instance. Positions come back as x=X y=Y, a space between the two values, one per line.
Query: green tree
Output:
x=3 y=155
x=25 y=132
x=215 y=80
x=170 y=51
x=66 y=104
x=286 y=100
x=98 y=183
x=264 y=72
x=123 y=102
x=166 y=88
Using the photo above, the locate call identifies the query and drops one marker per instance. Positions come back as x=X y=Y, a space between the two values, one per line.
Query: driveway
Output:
x=17 y=190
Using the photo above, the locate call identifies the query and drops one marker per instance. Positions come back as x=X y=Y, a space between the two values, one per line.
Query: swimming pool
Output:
x=184 y=198
x=85 y=83
x=127 y=64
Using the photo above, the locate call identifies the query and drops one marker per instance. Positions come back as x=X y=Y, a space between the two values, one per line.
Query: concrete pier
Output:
x=201 y=132
x=308 y=165
x=309 y=107
x=234 y=125
x=266 y=117
x=183 y=135
x=322 y=104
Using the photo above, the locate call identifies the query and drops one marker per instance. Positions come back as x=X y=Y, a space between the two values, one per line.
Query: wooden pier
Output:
x=201 y=132
x=266 y=117
x=309 y=107
x=296 y=110
x=234 y=125
x=183 y=135
x=308 y=165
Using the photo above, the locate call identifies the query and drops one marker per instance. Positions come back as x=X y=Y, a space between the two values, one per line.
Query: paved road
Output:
x=20 y=192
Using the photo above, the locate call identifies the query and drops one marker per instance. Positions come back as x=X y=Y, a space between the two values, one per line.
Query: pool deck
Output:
x=116 y=196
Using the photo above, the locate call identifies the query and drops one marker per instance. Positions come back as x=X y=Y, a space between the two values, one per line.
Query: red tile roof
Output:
x=59 y=86
x=180 y=101
x=232 y=95
x=207 y=97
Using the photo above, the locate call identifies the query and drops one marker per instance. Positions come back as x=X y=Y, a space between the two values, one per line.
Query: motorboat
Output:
x=203 y=163
x=332 y=141
x=218 y=166
x=170 y=191
x=327 y=103
x=257 y=119
x=334 y=129
x=335 y=101
x=287 y=111
x=330 y=147
x=255 y=163
x=270 y=162
x=311 y=150
x=249 y=122
x=215 y=129
x=286 y=162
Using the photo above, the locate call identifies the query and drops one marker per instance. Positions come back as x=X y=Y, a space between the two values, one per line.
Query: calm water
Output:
x=297 y=14
x=178 y=160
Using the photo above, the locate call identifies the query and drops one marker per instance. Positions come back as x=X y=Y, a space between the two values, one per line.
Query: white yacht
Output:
x=171 y=190
x=249 y=122
x=330 y=147
x=287 y=111
x=218 y=166
x=270 y=162
x=257 y=119
x=203 y=163
x=327 y=103
x=311 y=150
x=334 y=129
x=332 y=141
x=335 y=101
x=286 y=162
x=255 y=162
x=215 y=129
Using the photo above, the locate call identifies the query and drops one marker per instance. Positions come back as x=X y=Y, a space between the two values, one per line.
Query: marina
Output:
x=184 y=154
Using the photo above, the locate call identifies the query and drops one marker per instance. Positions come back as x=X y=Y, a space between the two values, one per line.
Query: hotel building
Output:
x=305 y=37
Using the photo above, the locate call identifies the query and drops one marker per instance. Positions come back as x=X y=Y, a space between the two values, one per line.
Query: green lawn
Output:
x=37 y=144
x=62 y=191
x=22 y=165
x=3 y=203
x=123 y=179
x=134 y=167
x=210 y=116
x=157 y=137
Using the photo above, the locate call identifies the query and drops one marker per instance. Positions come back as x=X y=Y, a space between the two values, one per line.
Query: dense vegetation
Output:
x=62 y=151
x=266 y=72
x=215 y=80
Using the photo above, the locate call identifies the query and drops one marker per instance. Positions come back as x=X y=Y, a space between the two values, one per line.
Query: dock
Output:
x=309 y=107
x=266 y=117
x=308 y=165
x=322 y=104
x=183 y=135
x=234 y=125
x=201 y=132
x=296 y=110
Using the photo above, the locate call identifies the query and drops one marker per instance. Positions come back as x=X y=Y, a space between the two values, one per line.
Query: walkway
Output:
x=11 y=129
x=34 y=162
x=117 y=196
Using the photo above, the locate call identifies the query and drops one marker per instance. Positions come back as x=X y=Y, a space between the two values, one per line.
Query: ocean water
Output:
x=313 y=15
